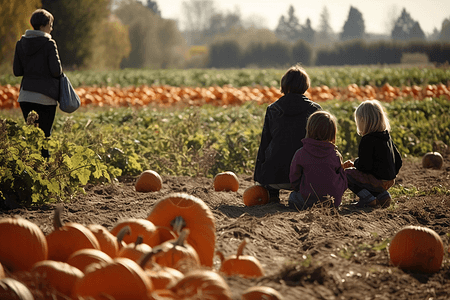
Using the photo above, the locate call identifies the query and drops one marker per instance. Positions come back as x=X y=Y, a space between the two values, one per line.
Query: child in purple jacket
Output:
x=316 y=172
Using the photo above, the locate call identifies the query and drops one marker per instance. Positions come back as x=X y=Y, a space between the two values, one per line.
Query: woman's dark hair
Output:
x=295 y=80
x=40 y=17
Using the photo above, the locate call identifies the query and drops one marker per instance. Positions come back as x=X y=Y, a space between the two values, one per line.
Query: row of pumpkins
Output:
x=168 y=255
x=228 y=95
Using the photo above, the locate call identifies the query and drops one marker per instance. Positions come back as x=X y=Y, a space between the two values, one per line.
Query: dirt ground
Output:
x=314 y=254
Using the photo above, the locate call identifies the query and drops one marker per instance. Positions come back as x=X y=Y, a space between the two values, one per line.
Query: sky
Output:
x=376 y=13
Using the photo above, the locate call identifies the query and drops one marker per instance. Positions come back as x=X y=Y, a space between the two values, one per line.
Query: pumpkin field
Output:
x=139 y=165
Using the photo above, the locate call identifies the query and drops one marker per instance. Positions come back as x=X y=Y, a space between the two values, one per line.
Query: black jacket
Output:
x=282 y=134
x=377 y=155
x=36 y=59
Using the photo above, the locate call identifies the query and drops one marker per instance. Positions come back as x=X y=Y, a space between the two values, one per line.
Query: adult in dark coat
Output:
x=36 y=59
x=283 y=130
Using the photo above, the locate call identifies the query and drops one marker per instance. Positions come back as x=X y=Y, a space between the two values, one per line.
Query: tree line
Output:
x=113 y=34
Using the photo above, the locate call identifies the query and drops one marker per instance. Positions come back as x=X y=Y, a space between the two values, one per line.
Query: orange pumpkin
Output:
x=418 y=249
x=226 y=181
x=261 y=292
x=67 y=238
x=82 y=258
x=138 y=227
x=59 y=275
x=148 y=181
x=180 y=210
x=177 y=254
x=432 y=160
x=135 y=251
x=107 y=241
x=242 y=265
x=121 y=279
x=23 y=244
x=162 y=277
x=202 y=284
x=13 y=289
x=255 y=195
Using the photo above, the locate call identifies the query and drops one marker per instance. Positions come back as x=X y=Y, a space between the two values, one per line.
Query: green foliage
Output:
x=97 y=145
x=332 y=77
x=75 y=27
x=14 y=20
x=28 y=178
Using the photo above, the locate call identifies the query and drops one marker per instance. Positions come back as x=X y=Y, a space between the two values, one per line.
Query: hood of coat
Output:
x=33 y=40
x=317 y=148
x=293 y=104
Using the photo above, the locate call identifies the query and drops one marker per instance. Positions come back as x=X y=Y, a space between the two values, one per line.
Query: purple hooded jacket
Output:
x=316 y=171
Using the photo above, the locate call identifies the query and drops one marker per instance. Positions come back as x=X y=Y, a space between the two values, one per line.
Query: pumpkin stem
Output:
x=57 y=222
x=178 y=224
x=220 y=255
x=145 y=258
x=139 y=240
x=183 y=236
x=124 y=231
x=241 y=247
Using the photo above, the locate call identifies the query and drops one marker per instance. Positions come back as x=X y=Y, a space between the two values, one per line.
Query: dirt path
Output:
x=315 y=254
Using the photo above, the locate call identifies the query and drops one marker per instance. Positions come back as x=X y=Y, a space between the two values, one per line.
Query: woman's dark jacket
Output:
x=377 y=155
x=36 y=59
x=282 y=134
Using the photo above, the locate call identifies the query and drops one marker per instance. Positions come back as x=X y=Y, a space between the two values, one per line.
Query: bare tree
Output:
x=197 y=14
x=391 y=17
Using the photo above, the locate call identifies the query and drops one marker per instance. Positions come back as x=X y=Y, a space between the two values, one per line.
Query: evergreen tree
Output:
x=354 y=27
x=416 y=32
x=308 y=32
x=289 y=29
x=406 y=28
x=445 y=31
x=153 y=6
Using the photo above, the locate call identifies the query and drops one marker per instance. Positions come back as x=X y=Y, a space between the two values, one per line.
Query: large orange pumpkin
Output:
x=135 y=251
x=261 y=292
x=67 y=238
x=177 y=254
x=180 y=210
x=107 y=241
x=243 y=265
x=138 y=227
x=418 y=249
x=202 y=284
x=226 y=181
x=82 y=258
x=148 y=181
x=121 y=279
x=23 y=244
x=255 y=195
x=59 y=275
x=12 y=289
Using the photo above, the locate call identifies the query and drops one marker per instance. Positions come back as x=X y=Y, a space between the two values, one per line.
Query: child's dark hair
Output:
x=295 y=80
x=322 y=126
x=40 y=17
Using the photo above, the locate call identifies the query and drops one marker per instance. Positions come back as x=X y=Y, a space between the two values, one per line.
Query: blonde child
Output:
x=378 y=163
x=283 y=130
x=316 y=172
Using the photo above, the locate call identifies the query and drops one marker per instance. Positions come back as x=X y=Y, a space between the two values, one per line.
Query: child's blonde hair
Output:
x=295 y=80
x=370 y=116
x=321 y=126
